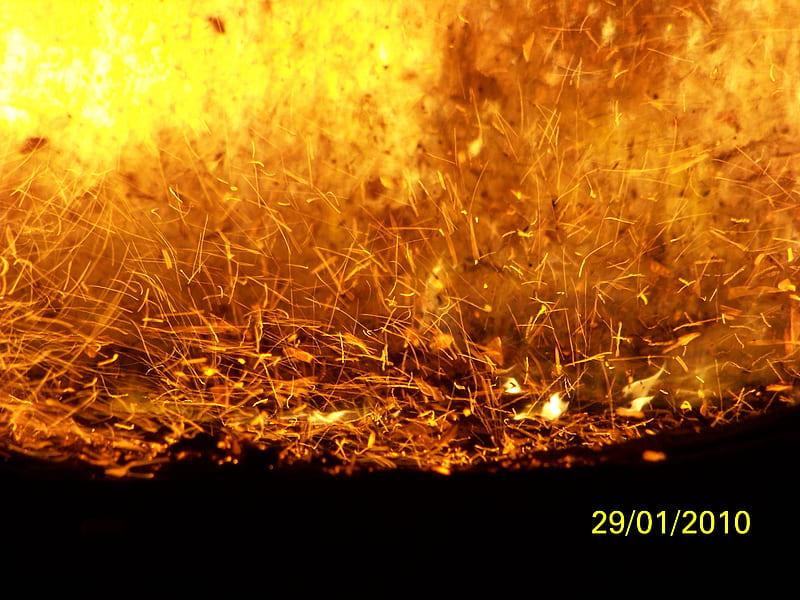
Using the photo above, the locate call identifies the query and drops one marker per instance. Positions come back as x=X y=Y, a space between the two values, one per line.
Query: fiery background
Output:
x=442 y=235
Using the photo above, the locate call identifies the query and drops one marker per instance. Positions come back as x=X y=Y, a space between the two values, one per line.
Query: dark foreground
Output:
x=379 y=517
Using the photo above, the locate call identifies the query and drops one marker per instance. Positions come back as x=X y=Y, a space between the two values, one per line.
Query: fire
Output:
x=428 y=235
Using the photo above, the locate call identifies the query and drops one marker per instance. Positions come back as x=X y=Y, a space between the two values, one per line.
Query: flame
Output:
x=555 y=407
x=112 y=73
x=295 y=219
x=551 y=410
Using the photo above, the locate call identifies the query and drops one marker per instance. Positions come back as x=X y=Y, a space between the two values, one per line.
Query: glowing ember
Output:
x=552 y=409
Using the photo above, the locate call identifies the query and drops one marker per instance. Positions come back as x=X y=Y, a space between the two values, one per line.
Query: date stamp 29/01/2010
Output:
x=670 y=523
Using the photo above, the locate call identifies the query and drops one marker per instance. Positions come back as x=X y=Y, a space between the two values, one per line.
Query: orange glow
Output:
x=392 y=233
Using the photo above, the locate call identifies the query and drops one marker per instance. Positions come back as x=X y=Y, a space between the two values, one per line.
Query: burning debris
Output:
x=437 y=236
